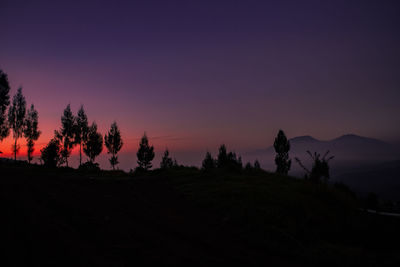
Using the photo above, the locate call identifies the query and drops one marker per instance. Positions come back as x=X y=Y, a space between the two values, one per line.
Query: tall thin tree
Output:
x=282 y=147
x=16 y=118
x=31 y=131
x=94 y=143
x=145 y=153
x=4 y=102
x=113 y=142
x=66 y=133
x=81 y=130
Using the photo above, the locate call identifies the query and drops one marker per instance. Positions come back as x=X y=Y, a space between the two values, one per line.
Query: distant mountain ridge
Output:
x=343 y=138
x=348 y=148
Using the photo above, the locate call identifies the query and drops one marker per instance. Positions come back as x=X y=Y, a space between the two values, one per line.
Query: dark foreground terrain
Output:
x=64 y=217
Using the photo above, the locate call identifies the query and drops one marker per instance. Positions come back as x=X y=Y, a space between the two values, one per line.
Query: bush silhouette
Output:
x=50 y=154
x=248 y=167
x=208 y=162
x=320 y=167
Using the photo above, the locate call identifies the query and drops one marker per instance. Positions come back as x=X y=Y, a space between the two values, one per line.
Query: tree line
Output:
x=76 y=131
x=19 y=120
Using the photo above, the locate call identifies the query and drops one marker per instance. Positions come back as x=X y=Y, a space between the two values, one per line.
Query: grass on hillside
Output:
x=259 y=213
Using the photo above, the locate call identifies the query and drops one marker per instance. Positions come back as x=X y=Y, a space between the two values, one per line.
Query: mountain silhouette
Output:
x=349 y=149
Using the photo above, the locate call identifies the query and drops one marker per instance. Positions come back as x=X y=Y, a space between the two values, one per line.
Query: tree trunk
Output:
x=15 y=150
x=113 y=165
x=80 y=153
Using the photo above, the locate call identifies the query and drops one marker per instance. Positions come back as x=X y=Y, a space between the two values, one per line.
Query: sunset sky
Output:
x=195 y=74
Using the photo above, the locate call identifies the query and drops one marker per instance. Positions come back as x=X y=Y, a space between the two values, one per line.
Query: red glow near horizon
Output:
x=194 y=78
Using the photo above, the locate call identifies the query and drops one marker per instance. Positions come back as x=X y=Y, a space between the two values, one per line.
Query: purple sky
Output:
x=194 y=74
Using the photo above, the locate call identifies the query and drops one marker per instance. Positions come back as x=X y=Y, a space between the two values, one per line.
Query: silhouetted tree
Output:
x=228 y=161
x=31 y=131
x=166 y=161
x=145 y=154
x=16 y=118
x=248 y=166
x=222 y=158
x=282 y=147
x=320 y=167
x=234 y=162
x=208 y=162
x=81 y=130
x=94 y=143
x=113 y=142
x=66 y=133
x=50 y=154
x=4 y=102
x=257 y=165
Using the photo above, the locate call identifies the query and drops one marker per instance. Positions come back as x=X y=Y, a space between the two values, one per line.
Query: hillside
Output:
x=185 y=217
x=380 y=178
x=359 y=162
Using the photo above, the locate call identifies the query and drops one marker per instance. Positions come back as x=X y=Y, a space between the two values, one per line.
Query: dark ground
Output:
x=62 y=217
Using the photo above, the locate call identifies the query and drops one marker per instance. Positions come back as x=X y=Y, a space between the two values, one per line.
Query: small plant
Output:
x=320 y=167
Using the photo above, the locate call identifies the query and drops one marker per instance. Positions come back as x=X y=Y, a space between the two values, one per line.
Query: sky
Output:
x=196 y=74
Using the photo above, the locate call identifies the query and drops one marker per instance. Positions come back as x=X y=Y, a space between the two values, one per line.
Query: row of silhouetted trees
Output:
x=76 y=131
x=15 y=117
